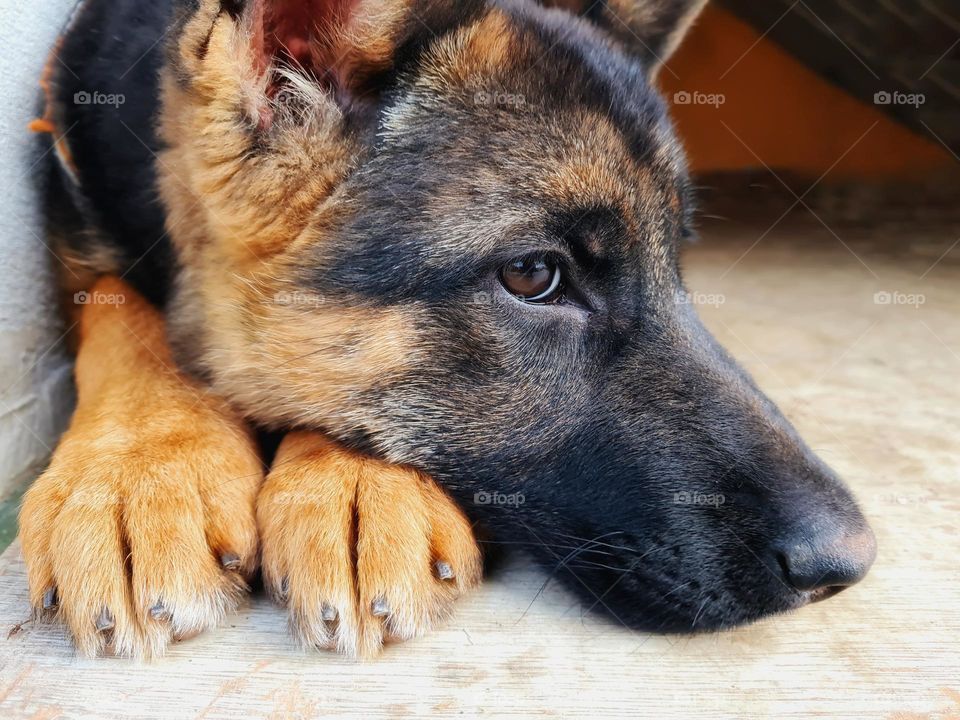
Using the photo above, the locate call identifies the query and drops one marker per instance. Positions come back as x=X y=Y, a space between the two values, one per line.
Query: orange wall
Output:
x=784 y=114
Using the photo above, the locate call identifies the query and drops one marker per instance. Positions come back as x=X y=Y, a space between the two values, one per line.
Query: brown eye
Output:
x=535 y=280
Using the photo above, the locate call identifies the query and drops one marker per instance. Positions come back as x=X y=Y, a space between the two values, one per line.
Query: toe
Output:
x=228 y=491
x=397 y=592
x=179 y=585
x=457 y=558
x=41 y=505
x=91 y=579
x=305 y=517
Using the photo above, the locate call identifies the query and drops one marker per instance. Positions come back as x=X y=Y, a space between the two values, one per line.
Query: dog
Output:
x=436 y=244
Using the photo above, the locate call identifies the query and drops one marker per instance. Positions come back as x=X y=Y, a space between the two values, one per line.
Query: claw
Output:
x=444 y=571
x=50 y=599
x=379 y=607
x=230 y=561
x=328 y=613
x=105 y=621
x=159 y=612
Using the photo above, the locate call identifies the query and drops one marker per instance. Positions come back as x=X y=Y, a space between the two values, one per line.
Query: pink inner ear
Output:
x=301 y=33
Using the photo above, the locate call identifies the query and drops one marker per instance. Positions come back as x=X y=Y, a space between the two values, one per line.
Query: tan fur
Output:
x=211 y=160
x=468 y=58
x=242 y=219
x=153 y=483
x=366 y=44
x=342 y=533
x=598 y=171
x=490 y=45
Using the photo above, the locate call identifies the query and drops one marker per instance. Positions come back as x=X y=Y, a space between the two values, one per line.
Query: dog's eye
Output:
x=532 y=279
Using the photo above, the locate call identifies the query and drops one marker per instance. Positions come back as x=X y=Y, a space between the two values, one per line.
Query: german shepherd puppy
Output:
x=437 y=242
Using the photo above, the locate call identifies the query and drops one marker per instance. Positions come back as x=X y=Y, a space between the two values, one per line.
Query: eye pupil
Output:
x=532 y=279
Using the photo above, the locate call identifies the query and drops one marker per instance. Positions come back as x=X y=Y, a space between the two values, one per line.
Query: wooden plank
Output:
x=848 y=658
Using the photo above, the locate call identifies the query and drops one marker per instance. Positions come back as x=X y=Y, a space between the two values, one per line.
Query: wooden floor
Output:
x=874 y=386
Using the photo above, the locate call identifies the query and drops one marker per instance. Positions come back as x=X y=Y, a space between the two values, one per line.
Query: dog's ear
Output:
x=347 y=44
x=651 y=29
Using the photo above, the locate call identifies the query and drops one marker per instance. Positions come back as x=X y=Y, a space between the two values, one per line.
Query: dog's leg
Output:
x=143 y=526
x=360 y=551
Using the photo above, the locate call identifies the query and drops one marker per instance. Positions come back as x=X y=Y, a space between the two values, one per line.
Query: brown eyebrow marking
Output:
x=485 y=49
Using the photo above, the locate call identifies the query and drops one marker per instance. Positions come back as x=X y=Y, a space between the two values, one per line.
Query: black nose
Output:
x=826 y=563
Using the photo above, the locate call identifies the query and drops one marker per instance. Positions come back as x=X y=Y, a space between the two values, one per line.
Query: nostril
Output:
x=824 y=566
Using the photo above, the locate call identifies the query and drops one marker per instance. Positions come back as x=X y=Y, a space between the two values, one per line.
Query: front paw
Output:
x=142 y=529
x=360 y=551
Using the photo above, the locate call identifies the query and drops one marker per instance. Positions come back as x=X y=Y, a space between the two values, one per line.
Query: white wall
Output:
x=35 y=388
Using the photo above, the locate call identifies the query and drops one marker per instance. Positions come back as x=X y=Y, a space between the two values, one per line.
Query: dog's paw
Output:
x=360 y=551
x=143 y=527
x=136 y=536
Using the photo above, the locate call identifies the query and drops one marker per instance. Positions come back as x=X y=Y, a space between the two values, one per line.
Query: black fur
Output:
x=116 y=48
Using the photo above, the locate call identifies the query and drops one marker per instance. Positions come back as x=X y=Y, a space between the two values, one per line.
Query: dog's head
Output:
x=448 y=232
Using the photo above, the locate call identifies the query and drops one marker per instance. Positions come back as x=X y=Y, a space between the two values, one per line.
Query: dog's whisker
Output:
x=696 y=617
x=528 y=543
x=609 y=545
x=564 y=563
x=597 y=566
